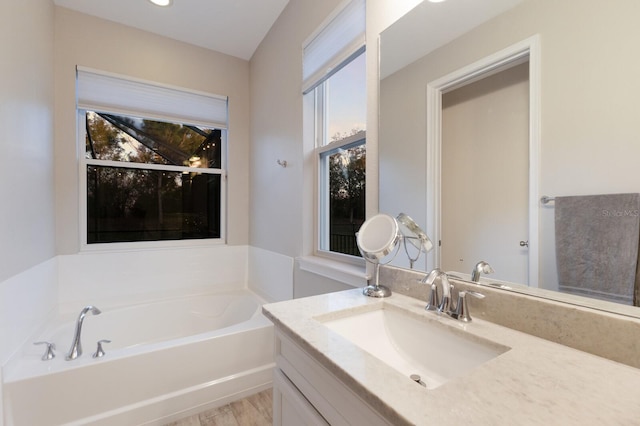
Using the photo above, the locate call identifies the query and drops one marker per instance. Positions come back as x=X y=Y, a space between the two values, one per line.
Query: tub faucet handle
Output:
x=99 y=351
x=48 y=353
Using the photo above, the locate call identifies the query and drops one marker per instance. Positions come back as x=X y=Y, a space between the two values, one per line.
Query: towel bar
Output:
x=546 y=200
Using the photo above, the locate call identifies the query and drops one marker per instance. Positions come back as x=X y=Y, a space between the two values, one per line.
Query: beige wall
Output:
x=91 y=42
x=27 y=235
x=278 y=197
x=590 y=141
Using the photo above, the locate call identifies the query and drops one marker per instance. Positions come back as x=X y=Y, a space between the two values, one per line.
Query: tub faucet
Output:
x=437 y=303
x=76 y=346
x=481 y=267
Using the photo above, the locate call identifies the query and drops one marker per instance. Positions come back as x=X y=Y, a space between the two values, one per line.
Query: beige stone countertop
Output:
x=535 y=382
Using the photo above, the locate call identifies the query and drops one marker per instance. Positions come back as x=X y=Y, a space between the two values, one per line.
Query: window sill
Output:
x=346 y=273
x=150 y=245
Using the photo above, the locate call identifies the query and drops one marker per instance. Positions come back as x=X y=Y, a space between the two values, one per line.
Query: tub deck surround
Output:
x=140 y=328
x=534 y=382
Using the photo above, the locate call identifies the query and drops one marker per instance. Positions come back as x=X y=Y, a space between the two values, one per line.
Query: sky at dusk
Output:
x=347 y=108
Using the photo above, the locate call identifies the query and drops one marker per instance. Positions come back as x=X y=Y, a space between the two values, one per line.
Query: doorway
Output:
x=484 y=175
x=525 y=52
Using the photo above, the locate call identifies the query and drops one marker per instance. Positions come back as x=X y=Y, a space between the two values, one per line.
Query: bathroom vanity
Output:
x=343 y=358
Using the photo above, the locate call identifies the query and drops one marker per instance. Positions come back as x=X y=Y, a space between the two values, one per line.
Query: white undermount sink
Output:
x=416 y=344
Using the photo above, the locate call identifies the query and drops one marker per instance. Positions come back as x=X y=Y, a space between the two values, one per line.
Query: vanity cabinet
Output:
x=323 y=377
x=306 y=393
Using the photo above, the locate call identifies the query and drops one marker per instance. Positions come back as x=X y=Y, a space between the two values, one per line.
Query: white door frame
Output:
x=504 y=59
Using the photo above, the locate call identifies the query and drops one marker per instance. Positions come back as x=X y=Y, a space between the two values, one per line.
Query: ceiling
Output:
x=234 y=27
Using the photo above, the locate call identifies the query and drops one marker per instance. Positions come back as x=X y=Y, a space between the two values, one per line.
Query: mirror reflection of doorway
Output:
x=485 y=175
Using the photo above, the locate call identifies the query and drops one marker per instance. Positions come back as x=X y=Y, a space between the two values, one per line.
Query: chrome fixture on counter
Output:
x=482 y=267
x=437 y=303
x=443 y=304
x=461 y=313
x=99 y=353
x=379 y=236
x=48 y=353
x=76 y=346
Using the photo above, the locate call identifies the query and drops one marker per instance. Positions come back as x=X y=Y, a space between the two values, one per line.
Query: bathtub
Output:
x=167 y=359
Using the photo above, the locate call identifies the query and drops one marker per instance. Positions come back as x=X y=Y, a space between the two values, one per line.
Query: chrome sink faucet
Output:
x=437 y=303
x=443 y=304
x=76 y=346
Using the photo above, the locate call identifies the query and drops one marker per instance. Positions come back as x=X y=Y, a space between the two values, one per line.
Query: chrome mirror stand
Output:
x=376 y=290
x=379 y=236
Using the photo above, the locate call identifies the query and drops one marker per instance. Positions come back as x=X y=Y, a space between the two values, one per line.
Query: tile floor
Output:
x=254 y=410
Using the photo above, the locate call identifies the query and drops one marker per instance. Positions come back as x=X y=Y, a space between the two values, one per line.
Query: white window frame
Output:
x=322 y=216
x=324 y=213
x=336 y=42
x=83 y=163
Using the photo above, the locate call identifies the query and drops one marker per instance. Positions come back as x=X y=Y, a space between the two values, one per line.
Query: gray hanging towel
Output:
x=597 y=239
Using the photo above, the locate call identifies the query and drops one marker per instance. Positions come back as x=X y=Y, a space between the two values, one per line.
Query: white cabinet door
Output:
x=290 y=407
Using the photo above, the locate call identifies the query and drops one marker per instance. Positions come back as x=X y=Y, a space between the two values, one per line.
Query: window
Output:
x=335 y=77
x=149 y=177
x=341 y=137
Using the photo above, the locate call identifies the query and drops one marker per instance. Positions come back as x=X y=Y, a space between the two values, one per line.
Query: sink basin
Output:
x=416 y=345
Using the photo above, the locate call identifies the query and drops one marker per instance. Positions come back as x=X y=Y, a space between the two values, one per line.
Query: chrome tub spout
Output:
x=76 y=346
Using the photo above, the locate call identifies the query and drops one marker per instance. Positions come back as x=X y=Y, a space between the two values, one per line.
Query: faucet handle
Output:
x=99 y=351
x=48 y=353
x=462 y=309
x=432 y=303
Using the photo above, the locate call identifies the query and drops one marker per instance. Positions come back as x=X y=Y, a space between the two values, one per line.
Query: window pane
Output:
x=346 y=111
x=130 y=139
x=151 y=205
x=346 y=197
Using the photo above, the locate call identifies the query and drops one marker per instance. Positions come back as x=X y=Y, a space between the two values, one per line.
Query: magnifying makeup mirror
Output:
x=379 y=236
x=415 y=235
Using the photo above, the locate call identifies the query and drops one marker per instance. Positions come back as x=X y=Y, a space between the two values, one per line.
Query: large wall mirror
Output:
x=568 y=125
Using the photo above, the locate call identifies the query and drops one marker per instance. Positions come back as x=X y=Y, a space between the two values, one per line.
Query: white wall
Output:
x=91 y=42
x=26 y=135
x=27 y=232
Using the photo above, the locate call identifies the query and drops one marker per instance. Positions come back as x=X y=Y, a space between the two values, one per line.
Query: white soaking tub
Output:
x=167 y=359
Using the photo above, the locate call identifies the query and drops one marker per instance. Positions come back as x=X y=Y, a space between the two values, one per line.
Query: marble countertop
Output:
x=534 y=382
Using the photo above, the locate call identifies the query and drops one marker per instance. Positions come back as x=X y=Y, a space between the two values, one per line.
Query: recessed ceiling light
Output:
x=431 y=1
x=162 y=2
